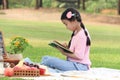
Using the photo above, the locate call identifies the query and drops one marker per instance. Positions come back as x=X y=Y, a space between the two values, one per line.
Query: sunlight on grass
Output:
x=34 y=42
x=105 y=46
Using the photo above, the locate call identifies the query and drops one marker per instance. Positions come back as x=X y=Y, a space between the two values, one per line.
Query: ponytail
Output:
x=70 y=40
x=88 y=43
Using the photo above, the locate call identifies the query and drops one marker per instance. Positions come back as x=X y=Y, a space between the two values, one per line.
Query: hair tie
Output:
x=69 y=14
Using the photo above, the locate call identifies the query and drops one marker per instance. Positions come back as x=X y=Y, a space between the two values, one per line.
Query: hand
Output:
x=65 y=45
x=61 y=50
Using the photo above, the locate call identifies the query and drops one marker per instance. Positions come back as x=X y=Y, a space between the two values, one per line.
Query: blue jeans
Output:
x=62 y=65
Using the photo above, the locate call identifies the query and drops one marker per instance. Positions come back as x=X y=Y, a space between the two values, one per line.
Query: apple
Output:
x=42 y=71
x=8 y=72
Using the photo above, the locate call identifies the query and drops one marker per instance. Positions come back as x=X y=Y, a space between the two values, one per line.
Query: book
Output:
x=57 y=44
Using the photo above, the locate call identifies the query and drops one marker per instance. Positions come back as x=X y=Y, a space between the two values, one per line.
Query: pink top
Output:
x=78 y=46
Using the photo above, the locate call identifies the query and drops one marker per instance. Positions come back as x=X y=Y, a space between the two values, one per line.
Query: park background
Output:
x=41 y=26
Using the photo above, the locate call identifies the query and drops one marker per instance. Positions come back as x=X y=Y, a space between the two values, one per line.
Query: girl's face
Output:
x=71 y=25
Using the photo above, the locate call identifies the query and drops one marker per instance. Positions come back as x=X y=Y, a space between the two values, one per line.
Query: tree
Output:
x=83 y=4
x=38 y=3
x=5 y=4
x=119 y=7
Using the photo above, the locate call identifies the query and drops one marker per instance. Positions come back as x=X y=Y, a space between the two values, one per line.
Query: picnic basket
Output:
x=26 y=73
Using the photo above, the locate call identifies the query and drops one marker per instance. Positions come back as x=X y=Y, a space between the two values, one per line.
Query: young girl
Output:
x=79 y=45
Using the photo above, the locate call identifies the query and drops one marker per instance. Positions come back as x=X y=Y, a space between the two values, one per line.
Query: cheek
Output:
x=70 y=27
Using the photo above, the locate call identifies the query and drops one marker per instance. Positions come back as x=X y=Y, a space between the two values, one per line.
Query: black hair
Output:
x=75 y=16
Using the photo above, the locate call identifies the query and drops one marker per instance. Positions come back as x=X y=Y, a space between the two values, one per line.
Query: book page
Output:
x=57 y=44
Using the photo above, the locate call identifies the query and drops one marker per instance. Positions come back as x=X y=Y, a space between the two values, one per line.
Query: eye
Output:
x=65 y=24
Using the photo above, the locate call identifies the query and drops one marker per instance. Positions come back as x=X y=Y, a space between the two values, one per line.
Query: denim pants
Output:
x=62 y=65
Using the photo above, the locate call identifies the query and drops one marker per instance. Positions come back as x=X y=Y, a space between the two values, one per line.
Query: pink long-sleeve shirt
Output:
x=80 y=49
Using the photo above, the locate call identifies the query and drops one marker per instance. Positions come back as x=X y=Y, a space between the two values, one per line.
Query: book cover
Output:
x=57 y=44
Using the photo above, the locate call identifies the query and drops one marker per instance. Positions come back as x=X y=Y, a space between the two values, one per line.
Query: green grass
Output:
x=105 y=46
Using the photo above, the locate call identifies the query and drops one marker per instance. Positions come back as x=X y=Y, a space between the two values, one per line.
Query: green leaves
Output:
x=95 y=6
x=18 y=44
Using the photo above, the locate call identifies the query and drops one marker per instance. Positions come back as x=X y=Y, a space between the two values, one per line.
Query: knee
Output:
x=46 y=60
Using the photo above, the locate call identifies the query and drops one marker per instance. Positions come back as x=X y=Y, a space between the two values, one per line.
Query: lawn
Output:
x=105 y=46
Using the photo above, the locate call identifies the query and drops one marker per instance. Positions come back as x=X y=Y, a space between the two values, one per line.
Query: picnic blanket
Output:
x=100 y=73
x=92 y=74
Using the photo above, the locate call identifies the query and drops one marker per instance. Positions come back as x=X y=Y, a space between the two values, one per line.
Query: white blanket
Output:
x=92 y=74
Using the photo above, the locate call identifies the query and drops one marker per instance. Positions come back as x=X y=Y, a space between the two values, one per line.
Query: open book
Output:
x=57 y=44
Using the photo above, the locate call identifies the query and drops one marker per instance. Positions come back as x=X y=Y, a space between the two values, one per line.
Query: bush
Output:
x=18 y=44
x=96 y=6
x=21 y=3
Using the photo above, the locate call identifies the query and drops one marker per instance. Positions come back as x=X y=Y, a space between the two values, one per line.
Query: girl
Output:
x=79 y=45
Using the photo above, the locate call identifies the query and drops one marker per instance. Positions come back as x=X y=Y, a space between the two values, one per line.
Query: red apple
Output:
x=8 y=72
x=42 y=71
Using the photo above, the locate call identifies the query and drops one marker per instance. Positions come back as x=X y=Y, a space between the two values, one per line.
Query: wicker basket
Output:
x=26 y=73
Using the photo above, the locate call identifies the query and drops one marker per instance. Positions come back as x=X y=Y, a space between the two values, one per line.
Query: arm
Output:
x=79 y=47
x=68 y=54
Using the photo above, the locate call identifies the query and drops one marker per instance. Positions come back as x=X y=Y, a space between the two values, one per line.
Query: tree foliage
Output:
x=91 y=5
x=98 y=5
x=21 y=3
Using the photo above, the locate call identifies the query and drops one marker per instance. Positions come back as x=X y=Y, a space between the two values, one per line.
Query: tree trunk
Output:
x=5 y=4
x=83 y=4
x=38 y=4
x=36 y=7
x=78 y=4
x=119 y=7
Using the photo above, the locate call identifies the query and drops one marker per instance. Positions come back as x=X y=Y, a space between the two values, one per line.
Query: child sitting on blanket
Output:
x=79 y=45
